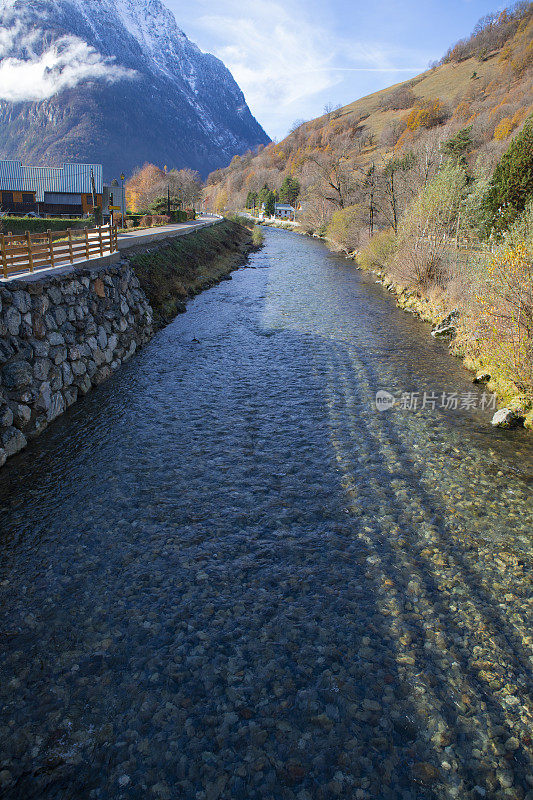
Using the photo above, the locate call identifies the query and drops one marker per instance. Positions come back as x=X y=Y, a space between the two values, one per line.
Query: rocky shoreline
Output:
x=518 y=411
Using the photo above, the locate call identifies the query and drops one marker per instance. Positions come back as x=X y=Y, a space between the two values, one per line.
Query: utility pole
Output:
x=93 y=189
x=123 y=198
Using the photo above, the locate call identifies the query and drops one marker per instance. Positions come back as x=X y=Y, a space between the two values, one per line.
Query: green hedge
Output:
x=18 y=225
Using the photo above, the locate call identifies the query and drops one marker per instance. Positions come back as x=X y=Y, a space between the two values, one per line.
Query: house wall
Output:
x=87 y=202
x=17 y=204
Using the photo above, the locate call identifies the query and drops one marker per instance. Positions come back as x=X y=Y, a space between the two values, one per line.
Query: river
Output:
x=226 y=574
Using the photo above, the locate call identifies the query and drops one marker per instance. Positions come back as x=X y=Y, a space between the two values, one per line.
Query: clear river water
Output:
x=226 y=574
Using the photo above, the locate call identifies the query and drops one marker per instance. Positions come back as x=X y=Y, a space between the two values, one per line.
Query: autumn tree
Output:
x=345 y=226
x=400 y=98
x=185 y=186
x=143 y=187
x=503 y=129
x=336 y=178
x=370 y=188
x=392 y=189
x=426 y=114
x=221 y=201
x=150 y=187
x=429 y=221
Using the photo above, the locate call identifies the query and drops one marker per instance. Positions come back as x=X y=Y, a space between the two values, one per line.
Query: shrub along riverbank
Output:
x=464 y=246
x=170 y=273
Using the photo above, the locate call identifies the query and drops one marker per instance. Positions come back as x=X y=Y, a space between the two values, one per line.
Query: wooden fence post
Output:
x=51 y=247
x=70 y=245
x=3 y=250
x=100 y=240
x=87 y=243
x=30 y=254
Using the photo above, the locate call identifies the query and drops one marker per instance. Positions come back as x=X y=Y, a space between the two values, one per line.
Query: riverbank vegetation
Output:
x=171 y=273
x=257 y=236
x=430 y=184
x=464 y=243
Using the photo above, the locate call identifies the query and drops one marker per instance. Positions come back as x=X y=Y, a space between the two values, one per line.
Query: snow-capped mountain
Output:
x=114 y=82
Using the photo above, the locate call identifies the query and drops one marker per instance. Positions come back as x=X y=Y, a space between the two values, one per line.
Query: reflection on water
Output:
x=226 y=575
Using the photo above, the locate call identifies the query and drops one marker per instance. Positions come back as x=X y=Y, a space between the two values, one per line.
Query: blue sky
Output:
x=291 y=58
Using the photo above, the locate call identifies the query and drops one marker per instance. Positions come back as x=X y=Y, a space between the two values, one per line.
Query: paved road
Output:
x=134 y=238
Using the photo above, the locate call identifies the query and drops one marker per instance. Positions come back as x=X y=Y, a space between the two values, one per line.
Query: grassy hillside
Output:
x=448 y=82
x=482 y=90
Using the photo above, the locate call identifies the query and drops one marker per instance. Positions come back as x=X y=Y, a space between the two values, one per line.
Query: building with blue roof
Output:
x=69 y=190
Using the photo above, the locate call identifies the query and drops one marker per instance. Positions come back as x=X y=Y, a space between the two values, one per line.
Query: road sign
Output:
x=115 y=208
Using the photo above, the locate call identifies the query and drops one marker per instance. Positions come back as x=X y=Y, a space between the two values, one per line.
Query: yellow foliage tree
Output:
x=221 y=201
x=426 y=115
x=406 y=136
x=519 y=51
x=519 y=116
x=462 y=111
x=344 y=228
x=141 y=186
x=506 y=302
x=503 y=129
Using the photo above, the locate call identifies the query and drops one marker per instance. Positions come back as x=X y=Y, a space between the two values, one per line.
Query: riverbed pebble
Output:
x=230 y=577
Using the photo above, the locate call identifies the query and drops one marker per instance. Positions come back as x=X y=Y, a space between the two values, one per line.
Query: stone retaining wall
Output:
x=59 y=336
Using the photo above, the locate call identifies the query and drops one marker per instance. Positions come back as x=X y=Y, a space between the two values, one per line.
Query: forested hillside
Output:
x=429 y=183
x=483 y=84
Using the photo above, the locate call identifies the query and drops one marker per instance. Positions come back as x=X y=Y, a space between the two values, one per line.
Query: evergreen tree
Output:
x=512 y=182
x=289 y=190
x=270 y=204
x=263 y=194
x=459 y=145
x=251 y=200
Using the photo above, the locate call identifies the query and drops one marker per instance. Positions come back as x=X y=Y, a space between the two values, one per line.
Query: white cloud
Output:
x=40 y=75
x=284 y=62
x=275 y=59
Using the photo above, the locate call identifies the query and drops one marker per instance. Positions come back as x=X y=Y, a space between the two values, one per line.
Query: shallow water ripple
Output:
x=226 y=575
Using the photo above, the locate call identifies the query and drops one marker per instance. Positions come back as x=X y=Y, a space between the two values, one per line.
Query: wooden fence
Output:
x=32 y=251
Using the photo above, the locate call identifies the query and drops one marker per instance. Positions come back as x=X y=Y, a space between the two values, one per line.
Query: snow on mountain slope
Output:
x=115 y=82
